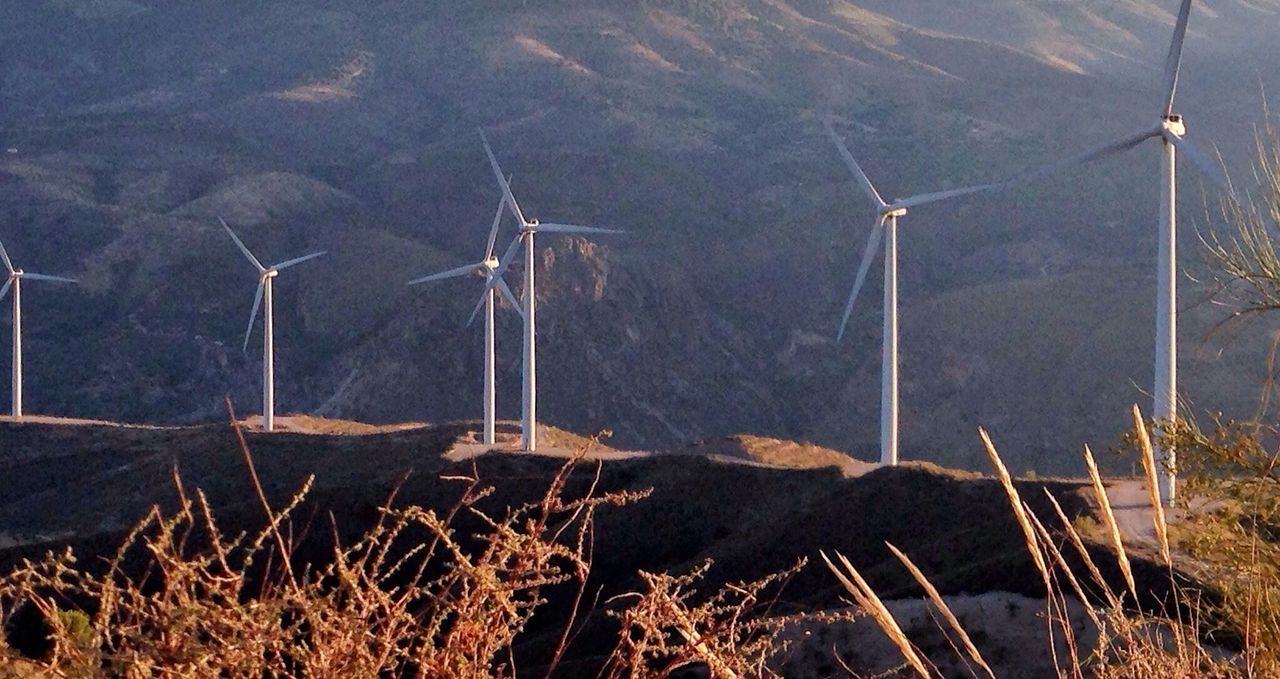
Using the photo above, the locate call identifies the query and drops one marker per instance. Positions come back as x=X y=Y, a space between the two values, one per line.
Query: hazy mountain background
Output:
x=126 y=126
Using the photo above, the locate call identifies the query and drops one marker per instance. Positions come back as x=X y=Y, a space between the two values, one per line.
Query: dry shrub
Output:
x=1247 y=262
x=1233 y=475
x=409 y=598
x=663 y=630
x=1232 y=471
x=390 y=604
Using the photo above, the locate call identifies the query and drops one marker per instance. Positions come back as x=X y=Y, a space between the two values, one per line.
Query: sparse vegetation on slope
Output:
x=412 y=596
x=350 y=127
x=464 y=592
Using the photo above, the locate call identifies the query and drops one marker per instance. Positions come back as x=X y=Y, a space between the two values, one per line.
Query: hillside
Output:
x=747 y=517
x=756 y=509
x=128 y=125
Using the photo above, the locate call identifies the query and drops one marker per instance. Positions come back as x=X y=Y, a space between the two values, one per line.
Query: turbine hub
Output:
x=1174 y=125
x=491 y=263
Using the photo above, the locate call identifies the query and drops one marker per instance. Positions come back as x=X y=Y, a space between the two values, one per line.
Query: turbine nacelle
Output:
x=265 y=274
x=1173 y=124
x=885 y=212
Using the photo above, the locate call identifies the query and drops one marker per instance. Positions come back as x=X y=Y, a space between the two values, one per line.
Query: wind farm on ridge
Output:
x=1171 y=131
x=667 y=203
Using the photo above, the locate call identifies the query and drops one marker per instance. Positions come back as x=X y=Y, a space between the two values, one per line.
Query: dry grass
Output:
x=664 y=631
x=789 y=454
x=870 y=602
x=1015 y=502
x=1131 y=644
x=411 y=597
x=1147 y=454
x=941 y=604
x=1109 y=521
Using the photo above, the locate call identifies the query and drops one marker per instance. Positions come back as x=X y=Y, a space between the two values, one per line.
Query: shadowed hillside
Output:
x=128 y=125
x=749 y=518
x=753 y=510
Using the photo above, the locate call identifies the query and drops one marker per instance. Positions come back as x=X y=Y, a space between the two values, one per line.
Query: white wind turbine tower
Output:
x=1171 y=131
x=15 y=278
x=886 y=224
x=529 y=228
x=488 y=268
x=266 y=275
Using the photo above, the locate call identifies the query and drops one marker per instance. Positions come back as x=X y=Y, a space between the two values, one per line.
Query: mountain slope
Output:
x=692 y=124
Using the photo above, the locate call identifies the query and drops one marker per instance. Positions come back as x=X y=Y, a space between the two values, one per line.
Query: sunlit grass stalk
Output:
x=1153 y=485
x=1078 y=543
x=1015 y=501
x=1109 y=519
x=1061 y=561
x=867 y=599
x=943 y=608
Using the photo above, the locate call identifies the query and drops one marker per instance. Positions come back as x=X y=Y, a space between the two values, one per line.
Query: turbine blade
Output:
x=1096 y=153
x=4 y=256
x=296 y=260
x=451 y=273
x=926 y=198
x=240 y=244
x=873 y=246
x=511 y=296
x=1211 y=170
x=5 y=290
x=253 y=315
x=1214 y=172
x=497 y=221
x=853 y=165
x=574 y=228
x=502 y=181
x=508 y=256
x=52 y=279
x=1173 y=64
x=476 y=312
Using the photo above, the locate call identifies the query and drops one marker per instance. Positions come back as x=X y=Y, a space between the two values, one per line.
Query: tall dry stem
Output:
x=1063 y=567
x=870 y=602
x=1015 y=501
x=1078 y=543
x=1147 y=453
x=1109 y=522
x=943 y=608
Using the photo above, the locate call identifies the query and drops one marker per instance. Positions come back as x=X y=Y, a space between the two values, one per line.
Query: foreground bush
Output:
x=410 y=598
x=413 y=598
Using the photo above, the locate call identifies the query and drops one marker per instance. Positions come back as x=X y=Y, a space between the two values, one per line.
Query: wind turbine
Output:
x=529 y=228
x=886 y=224
x=1171 y=130
x=16 y=276
x=266 y=275
x=488 y=268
